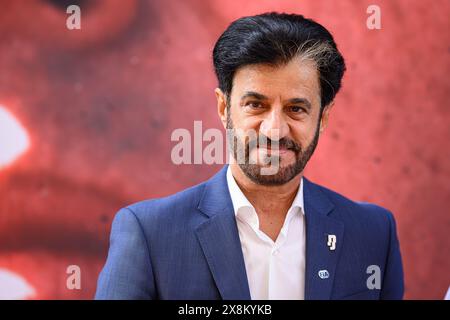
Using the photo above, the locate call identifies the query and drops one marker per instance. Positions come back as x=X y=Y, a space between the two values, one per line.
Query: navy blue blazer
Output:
x=186 y=246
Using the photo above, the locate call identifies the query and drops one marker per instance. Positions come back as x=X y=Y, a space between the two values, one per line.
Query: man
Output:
x=248 y=233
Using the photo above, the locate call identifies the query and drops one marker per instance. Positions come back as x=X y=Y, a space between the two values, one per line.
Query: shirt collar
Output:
x=240 y=201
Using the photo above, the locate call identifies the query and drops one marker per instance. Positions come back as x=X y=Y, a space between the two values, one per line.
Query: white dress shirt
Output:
x=275 y=270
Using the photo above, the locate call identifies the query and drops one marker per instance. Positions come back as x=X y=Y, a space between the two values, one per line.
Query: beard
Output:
x=254 y=171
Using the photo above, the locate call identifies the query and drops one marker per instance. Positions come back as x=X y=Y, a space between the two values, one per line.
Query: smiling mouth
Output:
x=276 y=151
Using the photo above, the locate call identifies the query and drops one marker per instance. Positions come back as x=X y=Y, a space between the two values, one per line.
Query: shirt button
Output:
x=275 y=252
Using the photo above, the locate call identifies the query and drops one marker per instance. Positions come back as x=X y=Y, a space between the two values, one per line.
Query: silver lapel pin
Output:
x=331 y=243
x=324 y=274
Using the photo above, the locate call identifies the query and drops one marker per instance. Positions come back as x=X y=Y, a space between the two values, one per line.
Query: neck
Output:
x=266 y=197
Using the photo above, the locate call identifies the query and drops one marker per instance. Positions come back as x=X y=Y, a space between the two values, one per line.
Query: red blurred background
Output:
x=99 y=104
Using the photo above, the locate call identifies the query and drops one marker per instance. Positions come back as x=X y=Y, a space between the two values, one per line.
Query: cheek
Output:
x=245 y=123
x=304 y=133
x=252 y=123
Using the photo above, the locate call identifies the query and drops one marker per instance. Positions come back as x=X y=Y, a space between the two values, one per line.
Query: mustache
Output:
x=266 y=142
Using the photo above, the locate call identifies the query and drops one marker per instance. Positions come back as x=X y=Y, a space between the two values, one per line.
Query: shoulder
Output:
x=183 y=201
x=174 y=212
x=161 y=218
x=361 y=214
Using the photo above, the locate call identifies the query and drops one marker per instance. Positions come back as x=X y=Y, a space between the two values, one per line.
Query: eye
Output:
x=254 y=105
x=297 y=109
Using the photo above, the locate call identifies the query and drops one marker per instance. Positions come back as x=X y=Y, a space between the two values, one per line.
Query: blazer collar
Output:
x=321 y=256
x=219 y=239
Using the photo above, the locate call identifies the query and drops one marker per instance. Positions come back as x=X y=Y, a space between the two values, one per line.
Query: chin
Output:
x=260 y=174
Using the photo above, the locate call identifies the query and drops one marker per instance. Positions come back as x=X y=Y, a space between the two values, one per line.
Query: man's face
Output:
x=281 y=104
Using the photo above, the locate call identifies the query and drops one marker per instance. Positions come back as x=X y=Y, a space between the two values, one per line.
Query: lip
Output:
x=280 y=151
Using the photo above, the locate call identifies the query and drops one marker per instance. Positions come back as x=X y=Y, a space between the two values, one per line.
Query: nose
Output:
x=274 y=125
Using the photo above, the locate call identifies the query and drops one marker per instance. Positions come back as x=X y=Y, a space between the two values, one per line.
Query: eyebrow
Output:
x=252 y=94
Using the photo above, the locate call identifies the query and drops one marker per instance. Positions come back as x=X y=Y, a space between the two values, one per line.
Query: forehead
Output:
x=294 y=79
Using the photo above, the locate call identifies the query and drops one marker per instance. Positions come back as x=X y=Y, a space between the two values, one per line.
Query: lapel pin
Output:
x=324 y=274
x=331 y=243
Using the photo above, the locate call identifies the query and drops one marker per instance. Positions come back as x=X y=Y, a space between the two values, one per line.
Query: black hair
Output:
x=276 y=38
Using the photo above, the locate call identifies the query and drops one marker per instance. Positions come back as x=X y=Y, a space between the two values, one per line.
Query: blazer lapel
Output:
x=320 y=259
x=219 y=239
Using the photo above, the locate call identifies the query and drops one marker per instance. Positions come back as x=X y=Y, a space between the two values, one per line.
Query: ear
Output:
x=325 y=116
x=221 y=106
